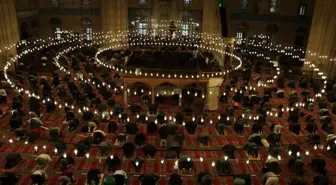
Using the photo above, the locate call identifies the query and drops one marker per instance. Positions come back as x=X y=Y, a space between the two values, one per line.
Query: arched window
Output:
x=142 y=1
x=54 y=2
x=87 y=28
x=187 y=2
x=274 y=5
x=143 y=28
x=244 y=4
x=185 y=29
x=86 y=2
x=242 y=30
x=301 y=35
x=55 y=24
x=272 y=30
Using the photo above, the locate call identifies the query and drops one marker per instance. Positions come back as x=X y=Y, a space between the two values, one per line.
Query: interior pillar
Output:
x=125 y=94
x=213 y=93
x=321 y=49
x=9 y=33
x=153 y=95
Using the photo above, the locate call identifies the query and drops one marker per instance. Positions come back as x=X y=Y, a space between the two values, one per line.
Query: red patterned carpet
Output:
x=192 y=148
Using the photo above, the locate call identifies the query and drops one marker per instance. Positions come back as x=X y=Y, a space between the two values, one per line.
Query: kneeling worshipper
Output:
x=21 y=133
x=120 y=177
x=175 y=179
x=93 y=176
x=137 y=163
x=43 y=160
x=270 y=178
x=105 y=148
x=66 y=162
x=8 y=178
x=64 y=180
x=204 y=178
x=149 y=150
x=12 y=160
x=280 y=93
x=112 y=163
x=55 y=133
x=98 y=136
x=148 y=179
x=38 y=177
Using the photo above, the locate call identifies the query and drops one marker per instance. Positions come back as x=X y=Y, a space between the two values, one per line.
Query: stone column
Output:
x=125 y=94
x=153 y=95
x=114 y=15
x=9 y=33
x=211 y=21
x=213 y=93
x=321 y=49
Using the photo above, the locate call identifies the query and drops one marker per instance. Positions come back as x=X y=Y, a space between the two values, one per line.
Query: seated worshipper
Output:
x=50 y=105
x=257 y=128
x=112 y=163
x=3 y=96
x=203 y=138
x=93 y=176
x=321 y=180
x=179 y=117
x=38 y=177
x=20 y=133
x=64 y=180
x=251 y=149
x=328 y=127
x=112 y=126
x=291 y=84
x=191 y=127
x=275 y=136
x=185 y=163
x=319 y=165
x=118 y=109
x=152 y=127
x=135 y=108
x=270 y=178
x=220 y=128
x=145 y=98
x=110 y=102
x=137 y=163
x=204 y=178
x=8 y=178
x=34 y=134
x=34 y=105
x=120 y=177
x=92 y=126
x=311 y=126
x=272 y=164
x=324 y=112
x=149 y=150
x=82 y=148
x=280 y=93
x=175 y=179
x=295 y=128
x=172 y=127
x=98 y=136
x=124 y=117
x=163 y=131
x=12 y=159
x=255 y=138
x=106 y=116
x=131 y=128
x=160 y=117
x=239 y=125
x=229 y=151
x=121 y=138
x=105 y=148
x=303 y=83
x=35 y=123
x=15 y=122
x=69 y=115
x=55 y=133
x=42 y=160
x=148 y=179
x=66 y=162
x=242 y=179
x=223 y=166
x=296 y=164
x=87 y=116
x=180 y=137
x=73 y=124
x=139 y=139
x=128 y=149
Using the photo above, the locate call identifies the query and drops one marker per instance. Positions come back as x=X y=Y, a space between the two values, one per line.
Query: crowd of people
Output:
x=98 y=106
